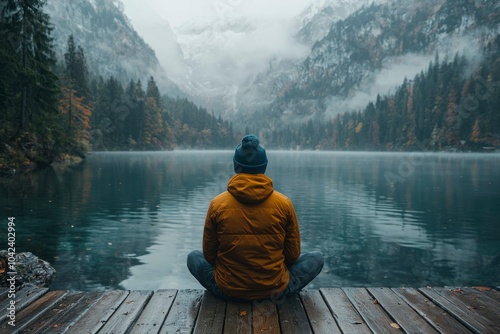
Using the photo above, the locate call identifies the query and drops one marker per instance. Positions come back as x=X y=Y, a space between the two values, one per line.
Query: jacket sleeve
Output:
x=292 y=238
x=210 y=241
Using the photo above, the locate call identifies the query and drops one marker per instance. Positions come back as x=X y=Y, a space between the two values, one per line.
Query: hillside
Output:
x=113 y=47
x=371 y=52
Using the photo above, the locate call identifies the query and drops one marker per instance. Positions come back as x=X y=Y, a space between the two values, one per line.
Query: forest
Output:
x=452 y=106
x=53 y=110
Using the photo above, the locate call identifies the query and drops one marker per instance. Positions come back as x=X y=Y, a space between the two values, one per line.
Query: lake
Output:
x=128 y=220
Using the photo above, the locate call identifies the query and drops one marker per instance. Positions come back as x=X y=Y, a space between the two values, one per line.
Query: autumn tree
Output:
x=411 y=137
x=77 y=115
x=450 y=131
x=476 y=133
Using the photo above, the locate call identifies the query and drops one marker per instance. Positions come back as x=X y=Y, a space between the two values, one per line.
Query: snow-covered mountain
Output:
x=224 y=54
x=111 y=44
x=229 y=57
x=157 y=32
x=371 y=52
x=314 y=22
x=307 y=29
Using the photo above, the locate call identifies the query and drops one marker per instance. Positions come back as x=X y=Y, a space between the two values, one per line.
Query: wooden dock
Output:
x=330 y=310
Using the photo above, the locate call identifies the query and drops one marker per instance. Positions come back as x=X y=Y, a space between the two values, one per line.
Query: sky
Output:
x=177 y=12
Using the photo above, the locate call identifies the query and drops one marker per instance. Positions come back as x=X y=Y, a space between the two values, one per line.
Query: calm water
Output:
x=128 y=220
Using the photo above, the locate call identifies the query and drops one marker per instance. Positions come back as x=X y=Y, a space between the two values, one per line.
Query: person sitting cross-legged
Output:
x=251 y=238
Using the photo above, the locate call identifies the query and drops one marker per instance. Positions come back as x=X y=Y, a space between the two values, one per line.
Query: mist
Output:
x=211 y=53
x=382 y=82
x=397 y=69
x=231 y=51
x=157 y=32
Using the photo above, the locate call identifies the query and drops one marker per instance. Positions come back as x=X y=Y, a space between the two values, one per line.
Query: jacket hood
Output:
x=250 y=188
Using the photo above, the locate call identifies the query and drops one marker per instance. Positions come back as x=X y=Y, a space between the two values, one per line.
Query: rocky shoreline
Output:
x=17 y=160
x=26 y=269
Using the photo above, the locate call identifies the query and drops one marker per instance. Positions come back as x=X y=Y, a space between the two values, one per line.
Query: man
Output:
x=251 y=238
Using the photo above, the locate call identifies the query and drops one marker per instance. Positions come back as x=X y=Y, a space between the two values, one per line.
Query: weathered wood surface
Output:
x=329 y=310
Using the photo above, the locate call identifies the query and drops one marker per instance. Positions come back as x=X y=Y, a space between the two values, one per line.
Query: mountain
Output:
x=372 y=51
x=314 y=22
x=112 y=46
x=225 y=54
x=310 y=26
x=336 y=56
x=213 y=52
x=231 y=57
x=157 y=32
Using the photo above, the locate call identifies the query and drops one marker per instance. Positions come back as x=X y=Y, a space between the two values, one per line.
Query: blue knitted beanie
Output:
x=249 y=156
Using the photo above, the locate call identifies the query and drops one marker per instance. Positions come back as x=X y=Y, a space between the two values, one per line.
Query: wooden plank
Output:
x=183 y=313
x=292 y=316
x=346 y=316
x=72 y=314
x=460 y=310
x=336 y=311
x=493 y=293
x=487 y=307
x=485 y=293
x=98 y=313
x=320 y=317
x=265 y=318
x=155 y=312
x=373 y=314
x=436 y=316
x=34 y=310
x=211 y=315
x=50 y=317
x=4 y=292
x=403 y=315
x=238 y=318
x=23 y=298
x=127 y=313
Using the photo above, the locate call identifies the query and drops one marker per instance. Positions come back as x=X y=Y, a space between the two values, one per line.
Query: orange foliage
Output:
x=78 y=112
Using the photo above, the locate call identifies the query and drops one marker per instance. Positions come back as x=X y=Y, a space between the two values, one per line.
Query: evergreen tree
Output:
x=29 y=28
x=76 y=68
x=8 y=85
x=153 y=92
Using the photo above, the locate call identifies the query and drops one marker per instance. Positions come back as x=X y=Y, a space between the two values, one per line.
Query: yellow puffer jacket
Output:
x=251 y=234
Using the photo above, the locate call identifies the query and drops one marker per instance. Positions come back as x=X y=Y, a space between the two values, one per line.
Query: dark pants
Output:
x=302 y=272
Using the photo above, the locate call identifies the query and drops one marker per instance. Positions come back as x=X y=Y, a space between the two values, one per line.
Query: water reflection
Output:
x=128 y=220
x=427 y=228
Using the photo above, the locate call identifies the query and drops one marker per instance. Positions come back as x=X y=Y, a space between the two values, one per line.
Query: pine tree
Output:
x=30 y=29
x=76 y=68
x=153 y=91
x=450 y=131
x=8 y=85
